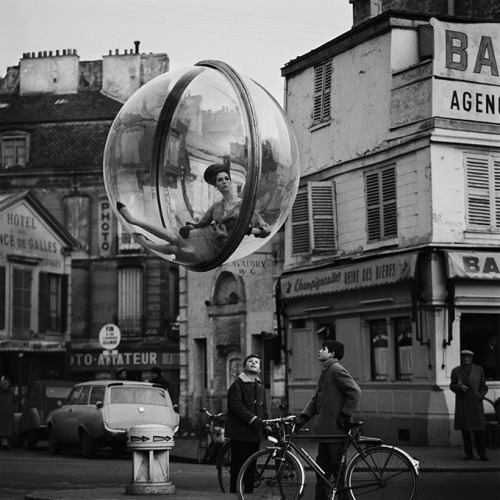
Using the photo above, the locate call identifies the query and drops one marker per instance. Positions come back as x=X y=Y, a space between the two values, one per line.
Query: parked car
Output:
x=100 y=413
x=43 y=396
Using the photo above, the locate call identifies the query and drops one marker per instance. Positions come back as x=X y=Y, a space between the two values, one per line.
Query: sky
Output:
x=256 y=37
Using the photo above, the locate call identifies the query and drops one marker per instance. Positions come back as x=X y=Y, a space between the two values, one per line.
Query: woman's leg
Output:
x=157 y=231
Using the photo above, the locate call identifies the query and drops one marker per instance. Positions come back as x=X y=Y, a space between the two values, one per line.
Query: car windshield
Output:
x=140 y=395
x=57 y=392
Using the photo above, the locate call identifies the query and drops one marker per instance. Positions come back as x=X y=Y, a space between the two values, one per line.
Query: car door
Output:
x=65 y=419
x=88 y=414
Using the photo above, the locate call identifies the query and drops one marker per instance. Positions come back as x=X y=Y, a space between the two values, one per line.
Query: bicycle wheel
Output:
x=265 y=476
x=224 y=466
x=381 y=472
x=204 y=448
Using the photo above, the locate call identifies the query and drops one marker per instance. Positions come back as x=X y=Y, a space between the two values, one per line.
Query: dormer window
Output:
x=14 y=149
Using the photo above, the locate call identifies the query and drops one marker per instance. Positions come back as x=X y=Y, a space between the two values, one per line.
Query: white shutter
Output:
x=322 y=214
x=478 y=191
x=300 y=224
x=313 y=219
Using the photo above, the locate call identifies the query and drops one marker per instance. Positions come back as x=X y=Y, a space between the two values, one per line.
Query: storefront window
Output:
x=480 y=333
x=403 y=343
x=21 y=302
x=379 y=349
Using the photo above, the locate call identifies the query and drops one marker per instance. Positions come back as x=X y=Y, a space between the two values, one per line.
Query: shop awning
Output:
x=32 y=346
x=335 y=279
x=474 y=265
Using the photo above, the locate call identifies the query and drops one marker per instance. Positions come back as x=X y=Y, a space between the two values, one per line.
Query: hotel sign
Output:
x=345 y=278
x=23 y=233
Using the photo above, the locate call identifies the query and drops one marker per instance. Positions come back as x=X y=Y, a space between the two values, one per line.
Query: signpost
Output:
x=109 y=337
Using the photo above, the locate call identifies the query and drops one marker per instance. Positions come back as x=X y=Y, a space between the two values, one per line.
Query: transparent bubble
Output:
x=163 y=141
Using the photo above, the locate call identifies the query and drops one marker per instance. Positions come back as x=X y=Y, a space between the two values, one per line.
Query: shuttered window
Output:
x=381 y=207
x=322 y=92
x=483 y=191
x=313 y=219
x=130 y=291
x=53 y=302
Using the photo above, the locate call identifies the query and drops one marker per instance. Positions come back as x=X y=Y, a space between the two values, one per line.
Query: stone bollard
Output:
x=151 y=446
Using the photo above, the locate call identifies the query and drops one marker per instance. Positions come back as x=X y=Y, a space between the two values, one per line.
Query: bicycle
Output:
x=213 y=448
x=377 y=470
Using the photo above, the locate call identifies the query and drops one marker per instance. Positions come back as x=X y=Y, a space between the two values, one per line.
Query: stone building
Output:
x=392 y=245
x=55 y=114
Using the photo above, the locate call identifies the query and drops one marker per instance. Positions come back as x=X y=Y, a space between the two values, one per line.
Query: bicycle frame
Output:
x=352 y=439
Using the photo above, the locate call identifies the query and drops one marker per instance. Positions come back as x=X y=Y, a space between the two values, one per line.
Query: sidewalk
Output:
x=432 y=459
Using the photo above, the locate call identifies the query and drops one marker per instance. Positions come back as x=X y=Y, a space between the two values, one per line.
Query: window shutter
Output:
x=496 y=185
x=64 y=302
x=390 y=216
x=43 y=301
x=313 y=219
x=300 y=224
x=381 y=204
x=322 y=92
x=478 y=187
x=373 y=206
x=319 y=72
x=321 y=201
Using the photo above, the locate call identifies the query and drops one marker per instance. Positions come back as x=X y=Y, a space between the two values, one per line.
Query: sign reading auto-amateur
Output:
x=476 y=265
x=338 y=279
x=467 y=57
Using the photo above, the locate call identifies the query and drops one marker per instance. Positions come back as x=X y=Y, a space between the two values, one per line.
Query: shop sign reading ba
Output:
x=201 y=166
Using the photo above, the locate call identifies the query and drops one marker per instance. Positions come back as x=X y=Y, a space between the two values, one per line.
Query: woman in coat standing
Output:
x=469 y=385
x=7 y=406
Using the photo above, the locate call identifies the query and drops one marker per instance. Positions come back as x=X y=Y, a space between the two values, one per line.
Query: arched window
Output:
x=227 y=290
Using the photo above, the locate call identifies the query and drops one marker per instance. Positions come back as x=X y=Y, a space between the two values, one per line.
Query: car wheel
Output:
x=54 y=445
x=31 y=439
x=89 y=446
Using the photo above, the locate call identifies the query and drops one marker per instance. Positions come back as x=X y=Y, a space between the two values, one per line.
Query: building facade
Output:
x=226 y=314
x=392 y=244
x=55 y=114
x=35 y=276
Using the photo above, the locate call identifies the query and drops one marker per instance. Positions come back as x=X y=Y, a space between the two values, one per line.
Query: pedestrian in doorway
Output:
x=158 y=378
x=246 y=408
x=7 y=407
x=336 y=398
x=121 y=374
x=469 y=385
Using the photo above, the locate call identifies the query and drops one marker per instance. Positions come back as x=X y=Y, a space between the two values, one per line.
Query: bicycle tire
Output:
x=274 y=478
x=204 y=448
x=224 y=466
x=381 y=472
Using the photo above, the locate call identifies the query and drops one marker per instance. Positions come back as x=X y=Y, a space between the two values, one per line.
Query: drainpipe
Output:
x=451 y=7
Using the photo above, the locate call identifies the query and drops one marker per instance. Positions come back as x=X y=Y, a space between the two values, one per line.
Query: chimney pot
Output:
x=137 y=43
x=117 y=52
x=57 y=52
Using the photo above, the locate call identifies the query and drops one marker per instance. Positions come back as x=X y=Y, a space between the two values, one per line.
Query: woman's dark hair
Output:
x=213 y=170
x=336 y=347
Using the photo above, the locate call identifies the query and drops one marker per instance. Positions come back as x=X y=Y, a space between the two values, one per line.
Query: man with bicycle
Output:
x=246 y=408
x=333 y=404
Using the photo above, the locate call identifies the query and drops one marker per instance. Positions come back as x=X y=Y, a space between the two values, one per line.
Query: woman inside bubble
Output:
x=201 y=241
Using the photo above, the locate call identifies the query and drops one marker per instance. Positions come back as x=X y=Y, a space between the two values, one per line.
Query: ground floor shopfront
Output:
x=91 y=362
x=403 y=319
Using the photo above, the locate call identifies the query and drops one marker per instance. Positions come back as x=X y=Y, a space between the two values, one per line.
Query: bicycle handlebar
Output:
x=212 y=415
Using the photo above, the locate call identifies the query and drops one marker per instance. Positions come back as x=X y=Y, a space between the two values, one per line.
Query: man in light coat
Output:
x=333 y=404
x=469 y=385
